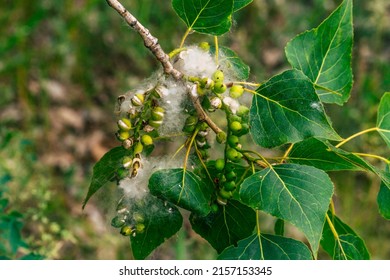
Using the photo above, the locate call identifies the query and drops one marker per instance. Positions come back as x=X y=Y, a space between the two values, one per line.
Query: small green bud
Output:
x=231 y=154
x=117 y=222
x=158 y=113
x=203 y=126
x=242 y=110
x=231 y=175
x=236 y=91
x=220 y=164
x=200 y=91
x=138 y=99
x=214 y=208
x=229 y=186
x=235 y=126
x=219 y=87
x=221 y=137
x=138 y=217
x=155 y=124
x=225 y=194
x=138 y=148
x=218 y=76
x=124 y=124
x=189 y=128
x=191 y=120
x=139 y=228
x=147 y=140
x=204 y=46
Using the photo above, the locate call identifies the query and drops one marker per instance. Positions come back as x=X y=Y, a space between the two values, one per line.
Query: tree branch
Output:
x=150 y=41
x=152 y=44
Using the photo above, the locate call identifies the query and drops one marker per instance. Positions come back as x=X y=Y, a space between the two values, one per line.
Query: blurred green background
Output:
x=62 y=66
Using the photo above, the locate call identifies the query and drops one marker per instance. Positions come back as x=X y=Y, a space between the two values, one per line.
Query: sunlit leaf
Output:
x=239 y=4
x=104 y=170
x=324 y=55
x=183 y=188
x=234 y=222
x=267 y=247
x=205 y=16
x=383 y=118
x=383 y=198
x=295 y=193
x=286 y=109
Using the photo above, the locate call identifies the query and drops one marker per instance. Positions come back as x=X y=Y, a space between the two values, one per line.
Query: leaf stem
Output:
x=247 y=83
x=216 y=49
x=259 y=155
x=185 y=37
x=355 y=135
x=189 y=148
x=373 y=156
x=335 y=234
x=287 y=153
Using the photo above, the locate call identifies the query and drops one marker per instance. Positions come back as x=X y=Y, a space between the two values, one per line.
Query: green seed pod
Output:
x=126 y=230
x=138 y=99
x=158 y=113
x=203 y=126
x=138 y=148
x=155 y=124
x=214 y=208
x=218 y=76
x=232 y=154
x=221 y=137
x=236 y=91
x=221 y=201
x=242 y=111
x=138 y=217
x=225 y=194
x=147 y=140
x=139 y=228
x=126 y=162
x=235 y=127
x=231 y=175
x=233 y=141
x=191 y=120
x=118 y=221
x=204 y=46
x=219 y=87
x=220 y=164
x=124 y=124
x=216 y=103
x=235 y=118
x=229 y=186
x=200 y=91
x=122 y=135
x=189 y=128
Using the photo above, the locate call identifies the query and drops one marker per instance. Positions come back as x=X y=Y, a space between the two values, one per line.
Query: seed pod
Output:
x=118 y=221
x=138 y=99
x=214 y=208
x=231 y=175
x=216 y=102
x=229 y=186
x=235 y=127
x=124 y=124
x=236 y=91
x=203 y=133
x=191 y=120
x=126 y=162
x=219 y=87
x=126 y=230
x=204 y=46
x=127 y=143
x=233 y=141
x=138 y=217
x=218 y=76
x=225 y=194
x=220 y=164
x=158 y=113
x=155 y=124
x=147 y=140
x=242 y=111
x=138 y=148
x=139 y=228
x=221 y=137
x=122 y=135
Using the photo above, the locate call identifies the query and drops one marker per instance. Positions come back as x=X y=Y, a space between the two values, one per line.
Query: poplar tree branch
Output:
x=152 y=44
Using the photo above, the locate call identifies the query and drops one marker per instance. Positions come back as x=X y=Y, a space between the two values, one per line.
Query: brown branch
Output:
x=152 y=44
x=150 y=41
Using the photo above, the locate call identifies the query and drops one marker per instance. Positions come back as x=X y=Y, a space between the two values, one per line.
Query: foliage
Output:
x=226 y=195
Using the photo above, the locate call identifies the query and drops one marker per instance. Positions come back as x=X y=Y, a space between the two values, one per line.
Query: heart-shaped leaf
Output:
x=234 y=222
x=230 y=61
x=105 y=170
x=383 y=118
x=183 y=188
x=295 y=193
x=267 y=247
x=286 y=109
x=205 y=16
x=324 y=55
x=239 y=4
x=347 y=245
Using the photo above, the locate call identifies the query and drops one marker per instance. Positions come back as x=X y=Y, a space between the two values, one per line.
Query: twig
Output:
x=150 y=41
x=152 y=44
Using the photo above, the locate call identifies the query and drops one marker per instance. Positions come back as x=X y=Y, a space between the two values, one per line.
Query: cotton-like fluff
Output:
x=196 y=62
x=232 y=103
x=173 y=96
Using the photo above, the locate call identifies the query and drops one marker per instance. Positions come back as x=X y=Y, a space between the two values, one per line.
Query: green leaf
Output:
x=295 y=193
x=234 y=222
x=230 y=61
x=349 y=245
x=161 y=220
x=383 y=199
x=182 y=188
x=267 y=247
x=104 y=170
x=205 y=16
x=383 y=118
x=286 y=109
x=239 y=4
x=324 y=156
x=324 y=55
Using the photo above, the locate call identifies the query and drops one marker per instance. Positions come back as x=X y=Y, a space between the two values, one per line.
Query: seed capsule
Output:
x=158 y=113
x=236 y=91
x=219 y=87
x=220 y=164
x=138 y=99
x=216 y=102
x=221 y=137
x=127 y=161
x=235 y=126
x=122 y=135
x=138 y=148
x=139 y=228
x=124 y=124
x=126 y=230
x=155 y=124
x=218 y=76
x=147 y=140
x=233 y=141
x=204 y=46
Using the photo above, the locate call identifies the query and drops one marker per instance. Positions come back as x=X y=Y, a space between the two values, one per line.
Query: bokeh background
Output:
x=62 y=66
